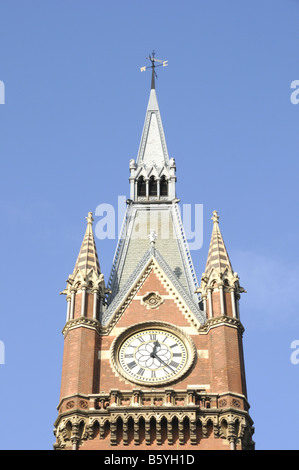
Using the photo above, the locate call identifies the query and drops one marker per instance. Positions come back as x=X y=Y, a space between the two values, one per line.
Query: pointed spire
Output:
x=153 y=148
x=88 y=257
x=218 y=256
x=219 y=277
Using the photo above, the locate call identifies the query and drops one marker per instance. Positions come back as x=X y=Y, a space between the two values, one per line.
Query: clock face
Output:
x=153 y=356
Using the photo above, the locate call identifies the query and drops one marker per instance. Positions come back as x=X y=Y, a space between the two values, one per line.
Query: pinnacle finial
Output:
x=152 y=237
x=215 y=217
x=89 y=219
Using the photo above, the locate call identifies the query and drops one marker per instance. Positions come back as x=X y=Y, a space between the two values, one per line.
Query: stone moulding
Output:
x=222 y=320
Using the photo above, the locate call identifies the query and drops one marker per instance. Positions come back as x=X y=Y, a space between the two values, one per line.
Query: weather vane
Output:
x=155 y=63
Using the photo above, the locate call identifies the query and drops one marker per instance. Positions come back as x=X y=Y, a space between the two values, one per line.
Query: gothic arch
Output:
x=141 y=186
x=119 y=430
x=186 y=429
x=152 y=186
x=68 y=429
x=163 y=186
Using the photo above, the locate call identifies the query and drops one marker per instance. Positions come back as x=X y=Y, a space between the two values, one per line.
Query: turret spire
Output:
x=218 y=256
x=219 y=280
x=88 y=257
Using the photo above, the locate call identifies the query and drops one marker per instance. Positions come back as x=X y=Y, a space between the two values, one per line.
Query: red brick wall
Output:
x=79 y=374
x=225 y=360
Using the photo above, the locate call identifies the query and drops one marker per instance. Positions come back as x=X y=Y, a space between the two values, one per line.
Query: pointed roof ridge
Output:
x=152 y=254
x=218 y=257
x=88 y=256
x=153 y=148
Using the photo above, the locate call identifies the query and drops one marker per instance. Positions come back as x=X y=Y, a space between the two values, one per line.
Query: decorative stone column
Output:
x=169 y=432
x=210 y=302
x=95 y=304
x=222 y=310
x=158 y=187
x=113 y=433
x=125 y=433
x=136 y=432
x=193 y=434
x=73 y=293
x=147 y=432
x=147 y=187
x=83 y=300
x=158 y=433
x=233 y=301
x=68 y=312
x=181 y=432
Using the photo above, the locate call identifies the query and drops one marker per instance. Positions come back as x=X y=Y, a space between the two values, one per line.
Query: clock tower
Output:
x=153 y=359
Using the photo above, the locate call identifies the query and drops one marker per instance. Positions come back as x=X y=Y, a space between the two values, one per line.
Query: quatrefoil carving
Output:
x=152 y=300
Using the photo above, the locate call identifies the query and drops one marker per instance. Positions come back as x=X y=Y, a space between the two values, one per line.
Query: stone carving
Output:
x=152 y=300
x=70 y=405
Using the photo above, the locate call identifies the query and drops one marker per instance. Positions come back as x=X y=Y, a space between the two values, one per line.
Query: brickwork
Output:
x=218 y=372
x=79 y=371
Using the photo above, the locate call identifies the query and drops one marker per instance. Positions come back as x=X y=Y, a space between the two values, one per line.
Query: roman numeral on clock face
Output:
x=132 y=364
x=174 y=364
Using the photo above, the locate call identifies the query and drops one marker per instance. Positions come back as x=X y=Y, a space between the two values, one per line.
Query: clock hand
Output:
x=161 y=360
x=156 y=344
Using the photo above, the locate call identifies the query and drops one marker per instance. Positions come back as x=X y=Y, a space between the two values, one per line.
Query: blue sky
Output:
x=74 y=109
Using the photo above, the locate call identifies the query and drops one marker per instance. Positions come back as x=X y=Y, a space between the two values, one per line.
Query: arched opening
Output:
x=163 y=430
x=198 y=431
x=224 y=429
x=95 y=429
x=237 y=427
x=209 y=428
x=141 y=430
x=130 y=430
x=163 y=186
x=81 y=428
x=152 y=187
x=152 y=430
x=119 y=430
x=106 y=430
x=175 y=430
x=68 y=429
x=141 y=187
x=186 y=430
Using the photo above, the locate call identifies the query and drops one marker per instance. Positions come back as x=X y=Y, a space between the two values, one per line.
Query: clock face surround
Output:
x=152 y=353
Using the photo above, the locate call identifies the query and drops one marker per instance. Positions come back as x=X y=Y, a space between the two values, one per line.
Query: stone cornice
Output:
x=219 y=321
x=81 y=322
x=104 y=330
